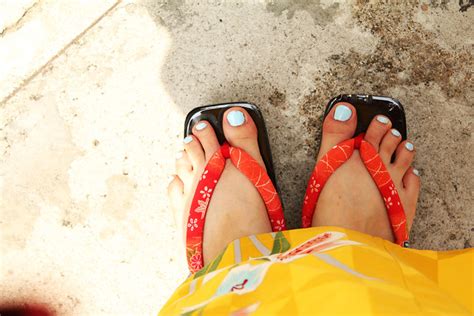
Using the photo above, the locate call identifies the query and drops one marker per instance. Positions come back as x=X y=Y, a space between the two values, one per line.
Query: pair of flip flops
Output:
x=265 y=181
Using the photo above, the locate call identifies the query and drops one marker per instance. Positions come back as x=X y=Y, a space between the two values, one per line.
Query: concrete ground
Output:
x=92 y=100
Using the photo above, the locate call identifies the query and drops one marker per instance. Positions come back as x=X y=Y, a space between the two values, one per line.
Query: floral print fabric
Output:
x=326 y=271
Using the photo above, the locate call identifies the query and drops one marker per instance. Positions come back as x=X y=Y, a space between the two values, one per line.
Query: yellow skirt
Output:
x=327 y=271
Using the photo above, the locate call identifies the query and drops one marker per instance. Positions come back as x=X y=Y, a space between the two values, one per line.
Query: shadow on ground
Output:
x=291 y=58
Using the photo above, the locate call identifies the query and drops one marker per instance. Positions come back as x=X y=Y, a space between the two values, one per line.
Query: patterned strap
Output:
x=337 y=156
x=205 y=188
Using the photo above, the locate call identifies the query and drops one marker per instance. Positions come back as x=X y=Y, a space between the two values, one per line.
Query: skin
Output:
x=350 y=198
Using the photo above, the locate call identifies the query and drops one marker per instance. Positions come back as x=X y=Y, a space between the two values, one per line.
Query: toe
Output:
x=207 y=137
x=175 y=191
x=377 y=129
x=411 y=182
x=176 y=198
x=184 y=168
x=339 y=125
x=240 y=131
x=404 y=156
x=389 y=144
x=194 y=151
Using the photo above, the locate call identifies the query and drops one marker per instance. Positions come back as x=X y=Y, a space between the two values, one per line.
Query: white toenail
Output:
x=235 y=118
x=170 y=179
x=416 y=172
x=179 y=155
x=201 y=126
x=382 y=119
x=395 y=132
x=409 y=146
x=342 y=113
x=187 y=139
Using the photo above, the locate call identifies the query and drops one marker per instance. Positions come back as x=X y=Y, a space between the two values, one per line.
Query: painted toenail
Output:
x=187 y=139
x=342 y=113
x=179 y=155
x=235 y=118
x=382 y=119
x=409 y=146
x=200 y=126
x=395 y=133
x=416 y=172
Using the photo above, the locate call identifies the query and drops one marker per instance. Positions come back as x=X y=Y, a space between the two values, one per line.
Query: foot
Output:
x=350 y=198
x=236 y=208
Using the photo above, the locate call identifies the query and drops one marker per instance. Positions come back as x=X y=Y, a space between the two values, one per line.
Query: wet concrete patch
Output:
x=321 y=14
x=167 y=12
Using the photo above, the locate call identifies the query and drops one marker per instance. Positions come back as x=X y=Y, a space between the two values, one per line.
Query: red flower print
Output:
x=314 y=186
x=392 y=189
x=192 y=223
x=279 y=224
x=388 y=202
x=206 y=192
x=196 y=261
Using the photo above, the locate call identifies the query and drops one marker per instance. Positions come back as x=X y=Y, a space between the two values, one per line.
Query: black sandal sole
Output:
x=369 y=106
x=214 y=114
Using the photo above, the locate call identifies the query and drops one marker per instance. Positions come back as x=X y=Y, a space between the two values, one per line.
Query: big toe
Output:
x=240 y=131
x=338 y=126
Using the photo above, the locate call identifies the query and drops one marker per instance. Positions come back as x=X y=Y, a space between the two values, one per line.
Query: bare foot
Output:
x=350 y=198
x=236 y=208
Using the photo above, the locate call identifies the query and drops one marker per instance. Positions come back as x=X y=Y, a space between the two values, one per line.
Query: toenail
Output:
x=416 y=172
x=409 y=146
x=170 y=179
x=187 y=139
x=342 y=113
x=383 y=119
x=395 y=133
x=179 y=155
x=235 y=118
x=200 y=126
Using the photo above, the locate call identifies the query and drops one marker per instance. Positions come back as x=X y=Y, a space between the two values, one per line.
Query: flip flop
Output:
x=369 y=106
x=264 y=181
x=366 y=107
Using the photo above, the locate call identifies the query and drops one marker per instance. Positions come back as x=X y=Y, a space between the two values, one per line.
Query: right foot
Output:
x=236 y=208
x=350 y=198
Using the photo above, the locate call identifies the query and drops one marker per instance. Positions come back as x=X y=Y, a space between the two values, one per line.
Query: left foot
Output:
x=236 y=208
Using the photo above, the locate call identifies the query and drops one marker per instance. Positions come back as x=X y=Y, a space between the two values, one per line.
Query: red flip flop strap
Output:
x=262 y=182
x=333 y=159
x=205 y=188
x=324 y=168
x=387 y=189
x=198 y=210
